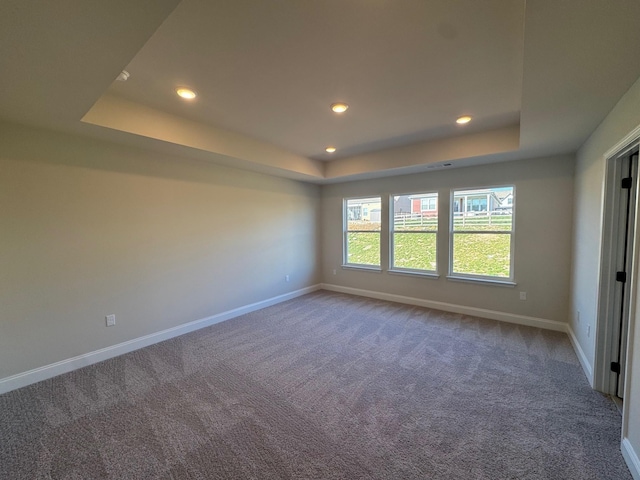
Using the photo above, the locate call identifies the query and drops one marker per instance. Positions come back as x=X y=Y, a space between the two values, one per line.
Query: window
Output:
x=429 y=204
x=477 y=204
x=361 y=219
x=414 y=228
x=482 y=233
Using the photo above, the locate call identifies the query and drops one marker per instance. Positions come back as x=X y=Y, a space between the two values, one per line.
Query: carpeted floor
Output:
x=326 y=386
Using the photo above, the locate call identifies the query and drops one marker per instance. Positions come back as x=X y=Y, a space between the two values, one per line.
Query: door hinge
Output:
x=621 y=277
x=615 y=367
x=627 y=183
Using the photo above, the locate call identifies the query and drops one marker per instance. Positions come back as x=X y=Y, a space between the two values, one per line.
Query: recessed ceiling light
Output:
x=339 y=107
x=186 y=93
x=464 y=119
x=330 y=149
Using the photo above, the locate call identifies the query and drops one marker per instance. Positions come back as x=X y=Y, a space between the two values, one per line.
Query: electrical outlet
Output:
x=111 y=320
x=523 y=295
x=578 y=317
x=286 y=278
x=334 y=271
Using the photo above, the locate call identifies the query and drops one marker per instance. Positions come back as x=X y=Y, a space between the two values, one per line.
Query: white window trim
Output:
x=412 y=272
x=359 y=266
x=481 y=279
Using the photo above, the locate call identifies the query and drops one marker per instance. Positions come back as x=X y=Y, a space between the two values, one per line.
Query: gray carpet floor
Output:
x=326 y=386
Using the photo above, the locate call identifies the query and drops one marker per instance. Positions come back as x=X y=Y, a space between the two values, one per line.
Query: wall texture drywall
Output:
x=90 y=228
x=544 y=195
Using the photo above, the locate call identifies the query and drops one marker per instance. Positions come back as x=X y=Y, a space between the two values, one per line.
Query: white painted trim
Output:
x=584 y=362
x=486 y=281
x=414 y=273
x=605 y=300
x=449 y=307
x=631 y=351
x=603 y=379
x=624 y=143
x=631 y=457
x=48 y=371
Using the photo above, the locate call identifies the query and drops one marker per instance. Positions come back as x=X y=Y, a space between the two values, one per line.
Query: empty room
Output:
x=332 y=239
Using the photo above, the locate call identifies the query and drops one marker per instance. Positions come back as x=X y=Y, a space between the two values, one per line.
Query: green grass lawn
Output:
x=364 y=248
x=414 y=250
x=486 y=254
x=477 y=254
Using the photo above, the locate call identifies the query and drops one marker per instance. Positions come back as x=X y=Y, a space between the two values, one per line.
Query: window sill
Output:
x=366 y=268
x=414 y=273
x=486 y=281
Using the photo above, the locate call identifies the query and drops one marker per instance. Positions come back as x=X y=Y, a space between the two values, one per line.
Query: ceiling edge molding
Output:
x=429 y=154
x=123 y=115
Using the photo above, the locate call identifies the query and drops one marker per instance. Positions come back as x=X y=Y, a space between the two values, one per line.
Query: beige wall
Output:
x=544 y=193
x=89 y=228
x=587 y=243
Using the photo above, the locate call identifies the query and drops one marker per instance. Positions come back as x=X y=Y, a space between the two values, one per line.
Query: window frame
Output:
x=392 y=231
x=346 y=231
x=508 y=281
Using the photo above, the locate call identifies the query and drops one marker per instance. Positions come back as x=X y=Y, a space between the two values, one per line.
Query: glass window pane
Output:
x=417 y=212
x=482 y=254
x=483 y=209
x=364 y=214
x=414 y=250
x=363 y=248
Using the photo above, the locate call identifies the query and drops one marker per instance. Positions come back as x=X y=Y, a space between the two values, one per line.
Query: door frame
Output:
x=603 y=379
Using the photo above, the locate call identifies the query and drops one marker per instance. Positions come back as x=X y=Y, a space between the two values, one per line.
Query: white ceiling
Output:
x=271 y=69
x=537 y=78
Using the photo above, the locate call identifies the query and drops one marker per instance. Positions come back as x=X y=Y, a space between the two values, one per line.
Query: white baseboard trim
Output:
x=450 y=307
x=631 y=457
x=586 y=366
x=49 y=371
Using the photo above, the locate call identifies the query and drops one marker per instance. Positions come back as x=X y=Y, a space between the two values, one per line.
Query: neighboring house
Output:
x=506 y=202
x=482 y=201
x=367 y=209
x=401 y=205
x=425 y=204
x=469 y=202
